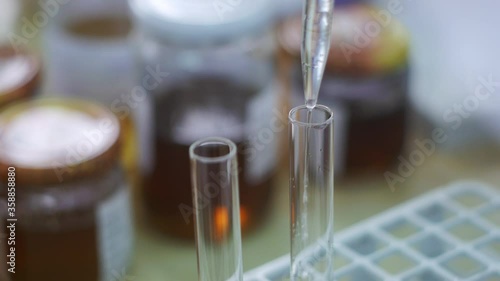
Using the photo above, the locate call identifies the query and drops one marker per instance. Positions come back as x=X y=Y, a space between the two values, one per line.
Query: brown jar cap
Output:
x=19 y=75
x=51 y=141
x=361 y=44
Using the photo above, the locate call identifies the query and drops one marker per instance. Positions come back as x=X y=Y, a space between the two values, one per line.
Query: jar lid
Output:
x=361 y=43
x=19 y=75
x=51 y=141
x=201 y=21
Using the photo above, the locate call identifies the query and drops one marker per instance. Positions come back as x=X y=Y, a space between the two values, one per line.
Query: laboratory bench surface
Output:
x=161 y=258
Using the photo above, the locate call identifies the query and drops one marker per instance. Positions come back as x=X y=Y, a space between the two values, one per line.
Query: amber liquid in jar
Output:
x=101 y=27
x=372 y=117
x=73 y=219
x=206 y=105
x=365 y=152
x=372 y=113
x=65 y=244
x=48 y=256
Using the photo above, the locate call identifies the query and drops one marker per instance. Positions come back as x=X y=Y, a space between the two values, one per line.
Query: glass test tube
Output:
x=311 y=193
x=214 y=176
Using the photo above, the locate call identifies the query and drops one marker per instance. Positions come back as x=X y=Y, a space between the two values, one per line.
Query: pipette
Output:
x=317 y=22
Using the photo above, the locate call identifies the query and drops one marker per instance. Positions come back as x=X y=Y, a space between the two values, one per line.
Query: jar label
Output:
x=115 y=235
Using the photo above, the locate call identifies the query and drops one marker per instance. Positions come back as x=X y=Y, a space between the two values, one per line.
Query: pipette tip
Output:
x=310 y=104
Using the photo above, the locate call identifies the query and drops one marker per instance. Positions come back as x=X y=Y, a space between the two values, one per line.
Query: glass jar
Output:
x=365 y=82
x=19 y=75
x=89 y=55
x=59 y=161
x=218 y=79
x=9 y=15
x=92 y=35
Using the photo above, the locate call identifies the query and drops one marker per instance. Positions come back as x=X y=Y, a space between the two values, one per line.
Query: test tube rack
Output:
x=451 y=233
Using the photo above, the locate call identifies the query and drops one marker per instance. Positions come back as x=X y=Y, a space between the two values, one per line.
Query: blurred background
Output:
x=100 y=100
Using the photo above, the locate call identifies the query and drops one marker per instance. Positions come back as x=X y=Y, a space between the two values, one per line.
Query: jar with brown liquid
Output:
x=72 y=206
x=220 y=67
x=19 y=76
x=365 y=82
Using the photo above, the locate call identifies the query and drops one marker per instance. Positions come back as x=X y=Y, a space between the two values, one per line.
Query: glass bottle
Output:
x=365 y=82
x=59 y=160
x=215 y=77
x=88 y=55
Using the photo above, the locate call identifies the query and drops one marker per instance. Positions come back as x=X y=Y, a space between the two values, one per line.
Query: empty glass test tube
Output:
x=311 y=193
x=214 y=177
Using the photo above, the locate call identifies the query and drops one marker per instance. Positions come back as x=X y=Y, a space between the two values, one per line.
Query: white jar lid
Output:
x=201 y=21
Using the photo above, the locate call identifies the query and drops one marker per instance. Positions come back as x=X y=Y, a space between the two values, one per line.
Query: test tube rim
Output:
x=206 y=159
x=295 y=121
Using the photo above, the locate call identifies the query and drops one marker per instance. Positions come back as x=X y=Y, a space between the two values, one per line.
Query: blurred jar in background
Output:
x=365 y=82
x=288 y=8
x=9 y=15
x=19 y=76
x=71 y=197
x=89 y=55
x=221 y=82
